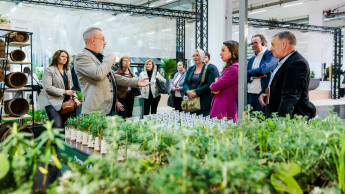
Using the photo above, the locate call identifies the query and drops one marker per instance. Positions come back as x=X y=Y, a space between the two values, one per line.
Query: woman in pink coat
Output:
x=225 y=89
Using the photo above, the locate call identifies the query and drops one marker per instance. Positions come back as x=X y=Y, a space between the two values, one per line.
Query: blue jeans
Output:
x=253 y=100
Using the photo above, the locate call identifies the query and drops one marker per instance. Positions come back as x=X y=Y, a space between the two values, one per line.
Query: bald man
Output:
x=289 y=81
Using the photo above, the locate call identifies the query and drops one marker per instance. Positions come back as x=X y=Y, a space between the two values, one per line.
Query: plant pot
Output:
x=16 y=107
x=79 y=136
x=16 y=80
x=104 y=147
x=85 y=138
x=97 y=147
x=314 y=83
x=67 y=133
x=91 y=142
x=73 y=134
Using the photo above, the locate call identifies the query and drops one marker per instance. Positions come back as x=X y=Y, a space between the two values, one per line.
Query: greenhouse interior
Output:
x=172 y=96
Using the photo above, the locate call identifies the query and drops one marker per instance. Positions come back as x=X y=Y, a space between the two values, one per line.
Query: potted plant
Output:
x=169 y=66
x=5 y=22
x=314 y=82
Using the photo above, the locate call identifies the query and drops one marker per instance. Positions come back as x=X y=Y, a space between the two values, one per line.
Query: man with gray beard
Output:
x=96 y=77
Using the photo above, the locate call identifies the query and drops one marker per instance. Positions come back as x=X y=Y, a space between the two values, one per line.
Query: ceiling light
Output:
x=151 y=5
x=254 y=12
x=169 y=1
x=300 y=3
x=165 y=30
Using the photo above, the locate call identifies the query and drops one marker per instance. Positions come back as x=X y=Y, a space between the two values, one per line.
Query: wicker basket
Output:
x=16 y=80
x=16 y=107
x=17 y=55
x=19 y=37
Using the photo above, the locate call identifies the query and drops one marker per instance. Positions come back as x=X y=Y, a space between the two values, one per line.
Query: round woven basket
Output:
x=1 y=95
x=2 y=74
x=19 y=37
x=17 y=55
x=25 y=130
x=16 y=80
x=16 y=107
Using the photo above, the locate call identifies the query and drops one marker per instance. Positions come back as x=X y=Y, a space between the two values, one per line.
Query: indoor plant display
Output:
x=169 y=66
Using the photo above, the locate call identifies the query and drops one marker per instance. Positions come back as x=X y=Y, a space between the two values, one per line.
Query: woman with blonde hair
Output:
x=150 y=93
x=197 y=86
x=58 y=84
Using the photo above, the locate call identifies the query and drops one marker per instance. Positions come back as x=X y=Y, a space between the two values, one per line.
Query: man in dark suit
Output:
x=290 y=80
x=259 y=71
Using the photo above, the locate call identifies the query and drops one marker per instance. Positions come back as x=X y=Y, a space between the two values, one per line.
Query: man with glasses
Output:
x=259 y=67
x=96 y=78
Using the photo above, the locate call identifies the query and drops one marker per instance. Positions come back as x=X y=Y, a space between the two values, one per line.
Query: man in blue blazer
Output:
x=290 y=80
x=259 y=68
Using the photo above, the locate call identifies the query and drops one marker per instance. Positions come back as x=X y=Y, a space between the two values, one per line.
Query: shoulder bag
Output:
x=69 y=105
x=162 y=88
x=193 y=105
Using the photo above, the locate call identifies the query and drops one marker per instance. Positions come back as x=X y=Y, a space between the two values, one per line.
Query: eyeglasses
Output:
x=257 y=42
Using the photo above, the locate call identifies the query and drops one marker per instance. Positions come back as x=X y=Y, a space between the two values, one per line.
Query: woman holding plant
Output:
x=197 y=85
x=125 y=95
x=225 y=89
x=58 y=84
x=177 y=86
x=150 y=93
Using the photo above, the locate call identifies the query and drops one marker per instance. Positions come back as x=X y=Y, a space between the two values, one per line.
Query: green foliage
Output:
x=283 y=180
x=4 y=19
x=24 y=155
x=40 y=74
x=79 y=95
x=169 y=66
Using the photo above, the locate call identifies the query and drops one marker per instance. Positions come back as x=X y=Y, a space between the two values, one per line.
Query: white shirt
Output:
x=177 y=93
x=280 y=63
x=255 y=86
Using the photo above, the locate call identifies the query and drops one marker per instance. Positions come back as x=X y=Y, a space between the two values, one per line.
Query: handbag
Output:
x=162 y=88
x=171 y=100
x=193 y=105
x=69 y=105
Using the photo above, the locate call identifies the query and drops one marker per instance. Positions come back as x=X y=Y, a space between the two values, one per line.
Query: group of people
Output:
x=282 y=69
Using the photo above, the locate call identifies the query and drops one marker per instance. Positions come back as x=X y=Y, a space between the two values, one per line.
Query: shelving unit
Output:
x=4 y=62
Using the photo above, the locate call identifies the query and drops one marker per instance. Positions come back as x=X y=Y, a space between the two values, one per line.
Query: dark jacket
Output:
x=289 y=88
x=122 y=90
x=202 y=91
x=267 y=64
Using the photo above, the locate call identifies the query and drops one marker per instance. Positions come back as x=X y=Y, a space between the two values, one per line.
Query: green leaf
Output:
x=291 y=169
x=56 y=161
x=42 y=170
x=4 y=166
x=284 y=183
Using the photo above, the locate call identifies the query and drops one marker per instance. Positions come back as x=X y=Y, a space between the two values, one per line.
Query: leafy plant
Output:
x=4 y=19
x=39 y=74
x=169 y=66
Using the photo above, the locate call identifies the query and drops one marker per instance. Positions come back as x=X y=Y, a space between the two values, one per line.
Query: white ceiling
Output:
x=263 y=8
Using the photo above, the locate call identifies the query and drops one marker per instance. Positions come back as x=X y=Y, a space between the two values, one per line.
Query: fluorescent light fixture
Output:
x=300 y=3
x=260 y=11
